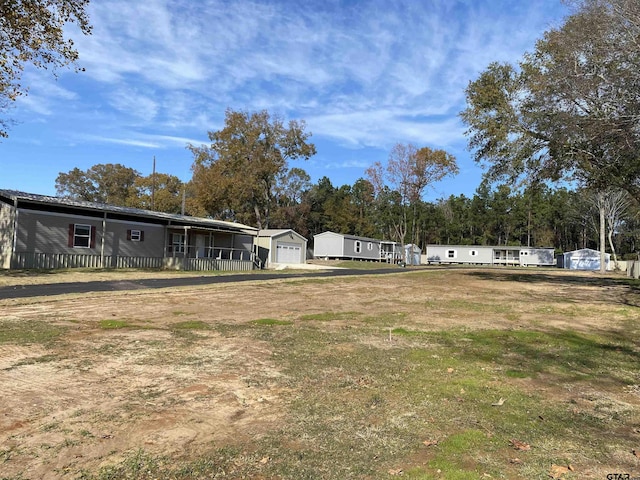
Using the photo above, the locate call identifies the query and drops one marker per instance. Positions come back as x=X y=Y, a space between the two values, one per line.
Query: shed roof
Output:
x=276 y=232
x=16 y=197
x=585 y=252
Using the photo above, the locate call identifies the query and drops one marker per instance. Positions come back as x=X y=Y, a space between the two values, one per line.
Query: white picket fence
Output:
x=48 y=261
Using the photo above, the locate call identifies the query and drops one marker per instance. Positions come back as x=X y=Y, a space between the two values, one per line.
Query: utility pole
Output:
x=153 y=185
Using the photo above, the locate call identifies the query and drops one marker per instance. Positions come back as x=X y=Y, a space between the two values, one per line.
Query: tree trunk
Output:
x=603 y=266
x=613 y=249
x=256 y=210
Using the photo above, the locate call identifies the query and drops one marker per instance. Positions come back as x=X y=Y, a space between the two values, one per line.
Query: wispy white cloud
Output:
x=362 y=74
x=144 y=140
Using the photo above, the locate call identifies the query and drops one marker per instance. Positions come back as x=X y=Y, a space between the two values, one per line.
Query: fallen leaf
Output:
x=516 y=461
x=449 y=370
x=265 y=460
x=499 y=403
x=395 y=471
x=557 y=471
x=518 y=445
x=635 y=453
x=430 y=443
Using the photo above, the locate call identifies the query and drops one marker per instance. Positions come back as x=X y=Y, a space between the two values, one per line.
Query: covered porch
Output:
x=202 y=248
x=506 y=256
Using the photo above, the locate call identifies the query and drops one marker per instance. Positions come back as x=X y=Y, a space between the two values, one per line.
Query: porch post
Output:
x=164 y=247
x=186 y=243
x=104 y=233
x=15 y=234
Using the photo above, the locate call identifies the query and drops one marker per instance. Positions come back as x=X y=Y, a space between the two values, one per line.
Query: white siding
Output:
x=328 y=244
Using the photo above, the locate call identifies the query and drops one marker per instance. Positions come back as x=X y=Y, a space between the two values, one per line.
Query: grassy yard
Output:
x=432 y=374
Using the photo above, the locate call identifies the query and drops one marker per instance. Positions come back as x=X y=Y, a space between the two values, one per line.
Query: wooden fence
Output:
x=48 y=261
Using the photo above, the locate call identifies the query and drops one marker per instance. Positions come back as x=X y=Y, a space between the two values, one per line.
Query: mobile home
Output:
x=39 y=231
x=331 y=245
x=490 y=255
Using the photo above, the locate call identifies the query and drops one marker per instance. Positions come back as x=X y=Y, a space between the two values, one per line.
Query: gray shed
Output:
x=281 y=246
x=585 y=259
x=412 y=254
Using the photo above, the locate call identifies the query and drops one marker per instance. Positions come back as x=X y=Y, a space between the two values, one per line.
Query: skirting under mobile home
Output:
x=490 y=255
x=38 y=231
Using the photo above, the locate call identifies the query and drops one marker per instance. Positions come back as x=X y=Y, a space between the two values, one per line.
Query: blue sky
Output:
x=364 y=75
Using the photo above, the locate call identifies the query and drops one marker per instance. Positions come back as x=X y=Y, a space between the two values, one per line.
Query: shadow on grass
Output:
x=571 y=356
x=630 y=288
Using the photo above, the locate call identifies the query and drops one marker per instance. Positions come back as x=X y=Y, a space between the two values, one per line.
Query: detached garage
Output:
x=281 y=246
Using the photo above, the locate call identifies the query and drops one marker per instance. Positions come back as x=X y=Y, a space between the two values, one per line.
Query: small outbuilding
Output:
x=412 y=254
x=584 y=259
x=281 y=246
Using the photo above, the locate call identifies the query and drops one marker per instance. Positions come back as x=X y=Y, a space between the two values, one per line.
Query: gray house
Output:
x=331 y=245
x=281 y=246
x=38 y=231
x=490 y=255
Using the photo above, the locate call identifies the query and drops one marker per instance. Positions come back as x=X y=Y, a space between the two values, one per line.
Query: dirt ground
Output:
x=98 y=394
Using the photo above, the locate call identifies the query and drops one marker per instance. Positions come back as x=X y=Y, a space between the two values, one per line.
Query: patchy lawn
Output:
x=438 y=373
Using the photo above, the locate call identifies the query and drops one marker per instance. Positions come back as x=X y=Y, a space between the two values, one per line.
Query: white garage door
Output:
x=288 y=253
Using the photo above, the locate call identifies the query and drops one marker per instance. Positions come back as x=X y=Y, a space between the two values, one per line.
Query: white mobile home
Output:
x=281 y=246
x=331 y=245
x=490 y=255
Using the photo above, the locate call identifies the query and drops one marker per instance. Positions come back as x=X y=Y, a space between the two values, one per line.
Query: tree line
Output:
x=542 y=216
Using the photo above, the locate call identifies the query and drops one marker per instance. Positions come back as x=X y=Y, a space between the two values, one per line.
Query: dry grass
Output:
x=432 y=374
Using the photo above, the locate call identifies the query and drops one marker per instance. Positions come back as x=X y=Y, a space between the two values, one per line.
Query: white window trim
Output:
x=454 y=252
x=473 y=253
x=181 y=243
x=357 y=246
x=77 y=236
x=370 y=246
x=136 y=235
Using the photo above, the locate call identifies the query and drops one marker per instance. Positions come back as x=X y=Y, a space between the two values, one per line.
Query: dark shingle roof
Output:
x=138 y=212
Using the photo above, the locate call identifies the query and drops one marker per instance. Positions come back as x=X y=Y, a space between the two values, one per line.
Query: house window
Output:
x=135 y=235
x=81 y=236
x=451 y=254
x=178 y=242
x=473 y=253
x=358 y=246
x=369 y=246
